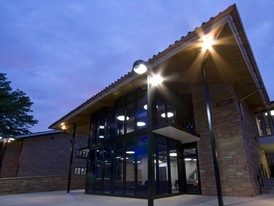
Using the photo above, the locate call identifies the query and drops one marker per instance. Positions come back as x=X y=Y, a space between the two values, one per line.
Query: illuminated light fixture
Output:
x=188 y=159
x=130 y=152
x=160 y=161
x=122 y=118
x=101 y=127
x=1 y=137
x=194 y=159
x=169 y=114
x=156 y=80
x=207 y=42
x=101 y=137
x=271 y=113
x=141 y=124
x=139 y=67
x=145 y=106
x=63 y=126
x=173 y=154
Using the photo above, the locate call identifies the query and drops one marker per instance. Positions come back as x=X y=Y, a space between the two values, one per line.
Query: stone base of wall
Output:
x=39 y=184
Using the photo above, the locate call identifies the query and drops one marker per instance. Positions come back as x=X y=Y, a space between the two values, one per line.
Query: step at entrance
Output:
x=268 y=186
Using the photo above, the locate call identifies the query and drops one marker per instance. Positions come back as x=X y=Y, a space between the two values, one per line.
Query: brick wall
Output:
x=48 y=155
x=10 y=161
x=41 y=163
x=235 y=142
x=39 y=184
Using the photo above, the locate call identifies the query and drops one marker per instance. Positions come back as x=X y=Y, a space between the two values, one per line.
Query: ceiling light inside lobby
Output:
x=122 y=118
x=169 y=115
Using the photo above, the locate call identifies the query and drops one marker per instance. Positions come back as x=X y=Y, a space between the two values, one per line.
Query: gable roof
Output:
x=226 y=24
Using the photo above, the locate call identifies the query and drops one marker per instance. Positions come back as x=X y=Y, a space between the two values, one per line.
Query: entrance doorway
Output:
x=176 y=167
x=190 y=173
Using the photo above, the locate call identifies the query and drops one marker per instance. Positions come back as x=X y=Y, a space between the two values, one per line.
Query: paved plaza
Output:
x=78 y=198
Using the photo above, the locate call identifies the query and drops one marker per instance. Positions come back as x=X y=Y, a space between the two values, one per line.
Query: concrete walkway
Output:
x=78 y=198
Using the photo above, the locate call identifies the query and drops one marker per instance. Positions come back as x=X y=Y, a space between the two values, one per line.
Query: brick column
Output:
x=235 y=142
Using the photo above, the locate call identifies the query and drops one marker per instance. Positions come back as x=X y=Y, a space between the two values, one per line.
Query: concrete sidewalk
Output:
x=78 y=198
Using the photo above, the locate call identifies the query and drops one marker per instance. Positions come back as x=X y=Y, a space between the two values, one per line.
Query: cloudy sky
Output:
x=62 y=52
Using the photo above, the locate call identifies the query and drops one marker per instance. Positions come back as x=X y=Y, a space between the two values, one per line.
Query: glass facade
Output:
x=118 y=150
x=265 y=122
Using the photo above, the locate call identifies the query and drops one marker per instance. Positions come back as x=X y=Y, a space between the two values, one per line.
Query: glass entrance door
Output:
x=190 y=167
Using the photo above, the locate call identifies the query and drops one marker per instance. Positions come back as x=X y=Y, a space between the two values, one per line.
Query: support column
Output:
x=212 y=136
x=71 y=156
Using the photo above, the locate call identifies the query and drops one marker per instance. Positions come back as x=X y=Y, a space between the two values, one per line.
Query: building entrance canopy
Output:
x=176 y=133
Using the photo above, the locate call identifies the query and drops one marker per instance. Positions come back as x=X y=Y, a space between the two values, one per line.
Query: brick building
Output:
x=40 y=162
x=197 y=128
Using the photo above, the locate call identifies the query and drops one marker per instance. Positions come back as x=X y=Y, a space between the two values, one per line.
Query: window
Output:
x=82 y=153
x=79 y=171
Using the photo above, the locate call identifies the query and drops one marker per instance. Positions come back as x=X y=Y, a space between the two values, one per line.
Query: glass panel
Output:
x=259 y=125
x=160 y=108
x=141 y=113
x=91 y=171
x=110 y=126
x=267 y=124
x=165 y=113
x=119 y=169
x=170 y=114
x=272 y=115
x=130 y=117
x=141 y=156
x=101 y=130
x=121 y=121
x=130 y=172
x=162 y=170
x=173 y=166
x=191 y=170
x=99 y=170
x=108 y=169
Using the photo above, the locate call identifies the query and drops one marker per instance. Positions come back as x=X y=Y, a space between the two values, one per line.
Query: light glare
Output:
x=207 y=43
x=173 y=154
x=122 y=118
x=140 y=68
x=156 y=80
x=141 y=124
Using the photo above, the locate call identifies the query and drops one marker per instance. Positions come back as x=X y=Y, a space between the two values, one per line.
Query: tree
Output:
x=14 y=110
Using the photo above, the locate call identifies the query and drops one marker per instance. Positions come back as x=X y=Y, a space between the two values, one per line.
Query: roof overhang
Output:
x=231 y=62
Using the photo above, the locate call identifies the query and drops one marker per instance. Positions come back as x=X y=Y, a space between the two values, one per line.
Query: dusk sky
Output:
x=62 y=52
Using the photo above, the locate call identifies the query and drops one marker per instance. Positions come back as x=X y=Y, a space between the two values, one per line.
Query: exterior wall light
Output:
x=139 y=67
x=63 y=126
x=207 y=42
